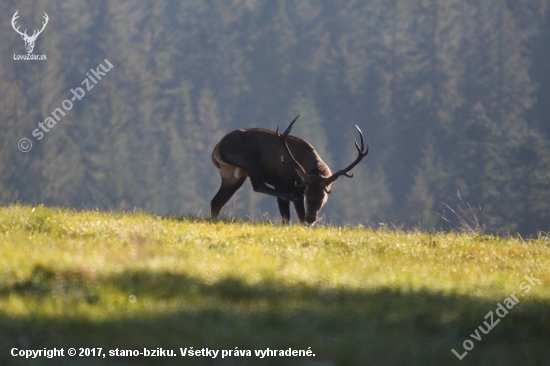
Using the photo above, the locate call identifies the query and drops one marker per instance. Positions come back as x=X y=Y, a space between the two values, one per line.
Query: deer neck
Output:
x=314 y=165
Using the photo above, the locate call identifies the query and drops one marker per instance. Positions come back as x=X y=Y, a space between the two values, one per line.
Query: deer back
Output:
x=261 y=148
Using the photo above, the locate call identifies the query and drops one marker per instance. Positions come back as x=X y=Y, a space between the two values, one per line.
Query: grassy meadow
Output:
x=354 y=295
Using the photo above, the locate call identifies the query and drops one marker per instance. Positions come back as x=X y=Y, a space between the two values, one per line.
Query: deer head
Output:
x=317 y=187
x=29 y=40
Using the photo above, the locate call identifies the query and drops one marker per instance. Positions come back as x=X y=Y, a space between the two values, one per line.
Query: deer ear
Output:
x=23 y=36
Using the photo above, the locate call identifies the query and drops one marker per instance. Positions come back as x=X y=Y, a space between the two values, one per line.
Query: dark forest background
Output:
x=452 y=95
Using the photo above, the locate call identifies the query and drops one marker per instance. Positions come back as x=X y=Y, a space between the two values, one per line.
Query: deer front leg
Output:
x=284 y=209
x=300 y=209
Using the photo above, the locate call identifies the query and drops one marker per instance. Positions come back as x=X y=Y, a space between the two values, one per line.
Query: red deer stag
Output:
x=287 y=163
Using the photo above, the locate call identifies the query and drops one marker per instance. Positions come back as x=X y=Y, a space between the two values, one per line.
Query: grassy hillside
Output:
x=355 y=295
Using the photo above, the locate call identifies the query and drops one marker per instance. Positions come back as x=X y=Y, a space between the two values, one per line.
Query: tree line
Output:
x=452 y=96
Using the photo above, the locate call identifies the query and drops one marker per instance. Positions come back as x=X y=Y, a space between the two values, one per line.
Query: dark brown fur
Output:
x=261 y=155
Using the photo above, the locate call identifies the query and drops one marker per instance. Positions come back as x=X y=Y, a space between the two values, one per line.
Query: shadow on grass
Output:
x=342 y=326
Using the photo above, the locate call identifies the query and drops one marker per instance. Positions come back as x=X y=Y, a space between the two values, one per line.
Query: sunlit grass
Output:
x=258 y=284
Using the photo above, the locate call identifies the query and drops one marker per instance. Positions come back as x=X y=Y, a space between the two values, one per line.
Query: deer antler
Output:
x=13 y=20
x=362 y=153
x=299 y=169
x=34 y=34
x=46 y=18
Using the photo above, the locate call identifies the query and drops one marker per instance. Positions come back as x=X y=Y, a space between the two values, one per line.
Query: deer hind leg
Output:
x=223 y=196
x=254 y=171
x=245 y=160
x=232 y=179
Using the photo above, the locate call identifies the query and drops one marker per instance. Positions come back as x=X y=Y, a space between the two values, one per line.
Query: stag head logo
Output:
x=29 y=40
